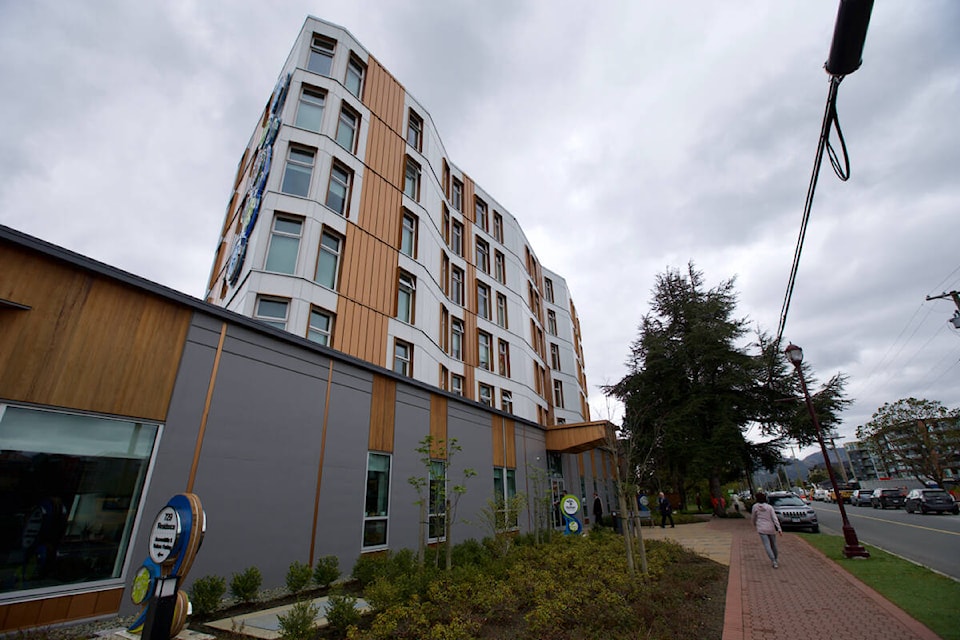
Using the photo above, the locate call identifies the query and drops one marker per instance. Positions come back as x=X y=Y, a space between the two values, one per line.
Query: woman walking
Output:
x=764 y=518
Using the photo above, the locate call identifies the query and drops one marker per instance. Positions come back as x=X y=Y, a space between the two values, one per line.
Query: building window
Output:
x=480 y=213
x=456 y=339
x=338 y=192
x=554 y=356
x=446 y=225
x=506 y=401
x=328 y=261
x=355 y=73
x=347 y=128
x=377 y=502
x=483 y=255
x=284 y=245
x=558 y=393
x=456 y=285
x=486 y=394
x=502 y=310
x=456 y=384
x=483 y=349
x=504 y=492
x=456 y=238
x=403 y=358
x=296 y=176
x=499 y=268
x=483 y=301
x=551 y=322
x=437 y=509
x=411 y=180
x=548 y=289
x=457 y=198
x=406 y=297
x=272 y=311
x=67 y=478
x=415 y=131
x=321 y=55
x=444 y=378
x=320 y=329
x=498 y=227
x=503 y=357
x=408 y=234
x=310 y=110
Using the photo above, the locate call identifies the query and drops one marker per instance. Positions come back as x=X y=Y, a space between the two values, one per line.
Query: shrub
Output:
x=326 y=571
x=298 y=576
x=245 y=586
x=368 y=567
x=206 y=593
x=299 y=623
x=471 y=552
x=342 y=612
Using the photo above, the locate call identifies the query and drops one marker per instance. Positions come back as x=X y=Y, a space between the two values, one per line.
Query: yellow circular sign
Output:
x=141 y=586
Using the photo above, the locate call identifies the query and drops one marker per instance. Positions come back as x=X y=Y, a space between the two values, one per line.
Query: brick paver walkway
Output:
x=809 y=596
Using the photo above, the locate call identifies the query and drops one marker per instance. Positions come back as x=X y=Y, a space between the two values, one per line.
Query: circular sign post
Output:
x=570 y=508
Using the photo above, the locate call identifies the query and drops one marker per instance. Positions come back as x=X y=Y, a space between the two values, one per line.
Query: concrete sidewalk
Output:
x=809 y=596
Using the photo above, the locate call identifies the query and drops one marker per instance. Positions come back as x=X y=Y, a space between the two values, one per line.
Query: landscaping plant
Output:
x=298 y=576
x=206 y=594
x=245 y=586
x=326 y=571
x=299 y=623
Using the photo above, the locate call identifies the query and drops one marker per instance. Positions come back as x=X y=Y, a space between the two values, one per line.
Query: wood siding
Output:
x=59 y=609
x=87 y=342
x=438 y=426
x=361 y=332
x=383 y=403
x=383 y=95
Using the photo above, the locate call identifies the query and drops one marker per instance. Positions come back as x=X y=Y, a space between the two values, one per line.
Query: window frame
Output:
x=456 y=195
x=484 y=346
x=417 y=131
x=482 y=256
x=457 y=330
x=353 y=64
x=456 y=384
x=548 y=289
x=327 y=333
x=499 y=267
x=326 y=232
x=506 y=400
x=413 y=178
x=498 y=227
x=484 y=303
x=409 y=232
x=457 y=277
x=485 y=399
x=405 y=361
x=558 y=394
x=551 y=322
x=348 y=120
x=316 y=94
x=275 y=233
x=456 y=237
x=502 y=312
x=299 y=167
x=327 y=48
x=379 y=517
x=555 y=356
x=347 y=184
x=481 y=213
x=503 y=357
x=272 y=320
x=406 y=285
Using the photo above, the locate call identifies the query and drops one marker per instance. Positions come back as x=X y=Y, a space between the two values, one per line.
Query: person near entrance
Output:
x=666 y=511
x=597 y=510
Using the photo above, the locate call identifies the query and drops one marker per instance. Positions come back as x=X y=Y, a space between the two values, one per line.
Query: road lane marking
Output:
x=902 y=524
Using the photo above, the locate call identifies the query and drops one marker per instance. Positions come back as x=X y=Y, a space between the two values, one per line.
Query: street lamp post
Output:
x=852 y=548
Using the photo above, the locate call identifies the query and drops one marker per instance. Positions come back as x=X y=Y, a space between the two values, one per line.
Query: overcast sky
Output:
x=626 y=138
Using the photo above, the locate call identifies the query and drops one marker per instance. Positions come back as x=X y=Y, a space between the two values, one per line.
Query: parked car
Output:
x=883 y=498
x=861 y=497
x=792 y=512
x=820 y=494
x=930 y=500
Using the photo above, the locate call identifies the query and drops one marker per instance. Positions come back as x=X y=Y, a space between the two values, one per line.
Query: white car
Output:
x=821 y=494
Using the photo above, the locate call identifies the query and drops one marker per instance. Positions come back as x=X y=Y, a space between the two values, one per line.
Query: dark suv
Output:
x=792 y=512
x=883 y=498
x=927 y=500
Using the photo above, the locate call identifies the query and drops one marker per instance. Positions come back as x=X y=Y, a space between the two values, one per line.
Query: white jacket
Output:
x=764 y=518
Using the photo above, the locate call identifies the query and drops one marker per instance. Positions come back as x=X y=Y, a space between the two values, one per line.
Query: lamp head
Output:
x=794 y=354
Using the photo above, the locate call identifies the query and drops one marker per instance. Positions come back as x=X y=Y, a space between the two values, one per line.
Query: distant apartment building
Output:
x=350 y=225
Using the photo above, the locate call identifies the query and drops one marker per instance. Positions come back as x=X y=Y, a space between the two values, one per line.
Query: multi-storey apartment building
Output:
x=351 y=226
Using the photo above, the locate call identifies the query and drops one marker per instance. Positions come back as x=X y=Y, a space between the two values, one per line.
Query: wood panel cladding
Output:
x=469 y=191
x=438 y=426
x=360 y=332
x=380 y=211
x=86 y=342
x=383 y=95
x=504 y=442
x=383 y=405
x=384 y=154
x=58 y=610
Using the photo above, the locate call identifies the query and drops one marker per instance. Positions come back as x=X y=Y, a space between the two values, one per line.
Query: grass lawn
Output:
x=929 y=597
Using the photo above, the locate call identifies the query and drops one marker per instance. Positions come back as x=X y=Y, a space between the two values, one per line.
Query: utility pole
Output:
x=833 y=445
x=955 y=320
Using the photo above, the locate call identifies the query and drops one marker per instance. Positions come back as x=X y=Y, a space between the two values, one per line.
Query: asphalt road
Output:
x=930 y=540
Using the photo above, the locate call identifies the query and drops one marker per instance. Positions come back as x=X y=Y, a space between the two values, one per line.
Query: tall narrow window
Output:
x=321 y=55
x=310 y=109
x=328 y=262
x=284 y=245
x=554 y=356
x=551 y=322
x=437 y=511
x=504 y=490
x=457 y=198
x=446 y=225
x=503 y=358
x=355 y=74
x=456 y=339
x=506 y=401
x=320 y=329
x=338 y=192
x=444 y=329
x=403 y=358
x=347 y=128
x=502 y=311
x=483 y=255
x=497 y=227
x=296 y=175
x=456 y=384
x=486 y=394
x=444 y=378
x=406 y=297
x=499 y=268
x=415 y=131
x=456 y=285
x=408 y=234
x=480 y=213
x=456 y=238
x=377 y=502
x=548 y=289
x=272 y=311
x=445 y=273
x=483 y=349
x=483 y=301
x=558 y=393
x=411 y=180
